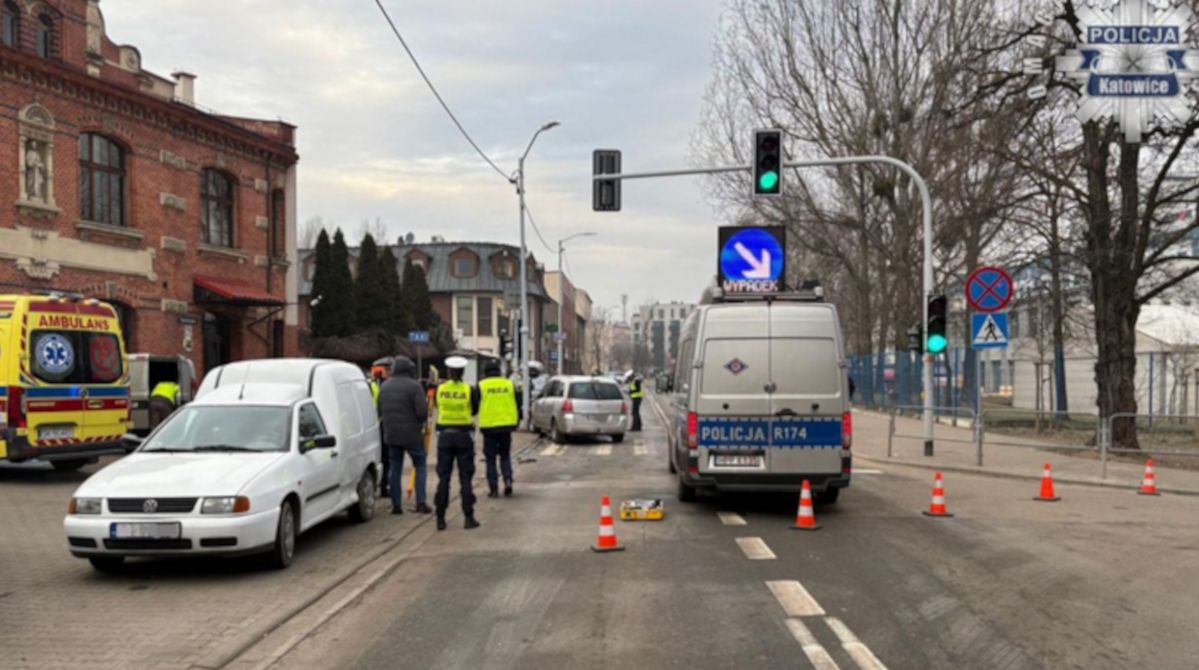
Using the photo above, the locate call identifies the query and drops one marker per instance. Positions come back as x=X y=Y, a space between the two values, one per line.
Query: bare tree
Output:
x=308 y=234
x=376 y=229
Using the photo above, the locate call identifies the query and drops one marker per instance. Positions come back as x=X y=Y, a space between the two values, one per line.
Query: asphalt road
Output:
x=1100 y=580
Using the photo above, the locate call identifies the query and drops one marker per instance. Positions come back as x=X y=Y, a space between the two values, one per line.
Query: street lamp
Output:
x=561 y=334
x=519 y=181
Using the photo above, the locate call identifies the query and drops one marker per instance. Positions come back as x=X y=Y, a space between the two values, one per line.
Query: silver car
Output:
x=580 y=405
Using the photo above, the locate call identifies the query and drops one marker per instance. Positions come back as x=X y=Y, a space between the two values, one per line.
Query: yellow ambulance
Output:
x=64 y=380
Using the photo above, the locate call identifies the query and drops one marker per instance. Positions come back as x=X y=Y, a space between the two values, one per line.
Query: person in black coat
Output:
x=403 y=411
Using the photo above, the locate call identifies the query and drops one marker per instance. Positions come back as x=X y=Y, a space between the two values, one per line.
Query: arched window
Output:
x=45 y=38
x=216 y=208
x=101 y=180
x=11 y=31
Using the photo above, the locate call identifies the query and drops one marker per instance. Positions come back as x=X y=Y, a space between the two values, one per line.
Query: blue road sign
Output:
x=989 y=289
x=418 y=336
x=989 y=331
x=553 y=357
x=751 y=259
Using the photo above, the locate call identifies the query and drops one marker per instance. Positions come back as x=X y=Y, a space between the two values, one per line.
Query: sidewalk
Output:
x=1021 y=462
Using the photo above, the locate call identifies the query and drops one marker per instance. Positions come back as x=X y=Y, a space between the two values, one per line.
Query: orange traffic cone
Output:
x=805 y=519
x=1047 y=494
x=937 y=506
x=1149 y=483
x=607 y=533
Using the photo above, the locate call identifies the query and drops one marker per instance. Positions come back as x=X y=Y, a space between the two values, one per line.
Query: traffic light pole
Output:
x=926 y=203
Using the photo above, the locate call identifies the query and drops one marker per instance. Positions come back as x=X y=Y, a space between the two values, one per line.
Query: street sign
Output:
x=989 y=289
x=418 y=336
x=551 y=327
x=559 y=337
x=752 y=259
x=553 y=357
x=989 y=331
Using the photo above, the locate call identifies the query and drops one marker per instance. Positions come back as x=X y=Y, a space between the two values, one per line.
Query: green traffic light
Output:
x=768 y=180
x=936 y=344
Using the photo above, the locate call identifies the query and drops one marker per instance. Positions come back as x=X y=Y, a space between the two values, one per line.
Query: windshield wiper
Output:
x=224 y=447
x=167 y=450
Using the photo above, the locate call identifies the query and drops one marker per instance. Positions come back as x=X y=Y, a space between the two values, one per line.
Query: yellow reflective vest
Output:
x=168 y=390
x=375 y=391
x=497 y=406
x=636 y=390
x=453 y=404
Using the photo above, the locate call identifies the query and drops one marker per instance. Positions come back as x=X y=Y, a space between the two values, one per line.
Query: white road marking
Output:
x=794 y=598
x=640 y=449
x=552 y=450
x=859 y=652
x=811 y=646
x=867 y=471
x=755 y=549
x=604 y=450
x=731 y=518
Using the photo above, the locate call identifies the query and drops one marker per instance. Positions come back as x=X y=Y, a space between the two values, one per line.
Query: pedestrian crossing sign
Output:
x=989 y=331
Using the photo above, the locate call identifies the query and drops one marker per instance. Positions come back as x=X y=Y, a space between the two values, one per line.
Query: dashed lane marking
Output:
x=755 y=549
x=731 y=518
x=552 y=450
x=604 y=450
x=640 y=449
x=811 y=646
x=867 y=471
x=794 y=598
x=859 y=652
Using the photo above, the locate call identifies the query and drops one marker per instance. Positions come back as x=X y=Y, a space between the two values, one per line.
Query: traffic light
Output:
x=915 y=337
x=506 y=349
x=936 y=340
x=605 y=194
x=768 y=162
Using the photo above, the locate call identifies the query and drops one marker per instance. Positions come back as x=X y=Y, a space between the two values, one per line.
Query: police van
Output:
x=761 y=396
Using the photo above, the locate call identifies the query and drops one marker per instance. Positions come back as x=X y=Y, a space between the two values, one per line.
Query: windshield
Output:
x=594 y=391
x=223 y=428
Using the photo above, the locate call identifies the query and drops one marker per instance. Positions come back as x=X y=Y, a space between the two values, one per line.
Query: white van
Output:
x=761 y=398
x=267 y=450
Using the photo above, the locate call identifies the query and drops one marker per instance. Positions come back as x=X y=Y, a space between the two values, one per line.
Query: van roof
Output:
x=254 y=393
x=787 y=319
x=293 y=371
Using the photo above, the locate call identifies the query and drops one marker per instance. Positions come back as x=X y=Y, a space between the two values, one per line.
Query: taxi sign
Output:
x=752 y=259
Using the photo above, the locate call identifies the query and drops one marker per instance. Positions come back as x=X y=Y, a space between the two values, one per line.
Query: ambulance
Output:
x=64 y=380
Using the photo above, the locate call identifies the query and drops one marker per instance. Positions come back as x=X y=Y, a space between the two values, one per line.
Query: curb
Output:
x=1001 y=474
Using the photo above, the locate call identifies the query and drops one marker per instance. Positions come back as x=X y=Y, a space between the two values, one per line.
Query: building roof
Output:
x=1172 y=325
x=438 y=275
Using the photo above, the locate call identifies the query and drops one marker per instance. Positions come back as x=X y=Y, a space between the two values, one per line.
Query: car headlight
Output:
x=85 y=506
x=227 y=505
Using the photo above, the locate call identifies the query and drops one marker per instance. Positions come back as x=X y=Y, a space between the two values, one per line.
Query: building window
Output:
x=216 y=208
x=45 y=36
x=466 y=315
x=278 y=230
x=506 y=269
x=11 y=23
x=101 y=180
x=464 y=266
x=485 y=327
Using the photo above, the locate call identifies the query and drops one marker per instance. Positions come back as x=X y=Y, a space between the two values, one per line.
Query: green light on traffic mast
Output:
x=768 y=180
x=937 y=344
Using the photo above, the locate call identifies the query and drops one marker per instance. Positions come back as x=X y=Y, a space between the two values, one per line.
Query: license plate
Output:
x=737 y=460
x=55 y=432
x=145 y=531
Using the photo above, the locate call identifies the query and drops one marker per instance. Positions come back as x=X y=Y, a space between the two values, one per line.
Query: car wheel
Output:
x=828 y=497
x=107 y=563
x=686 y=492
x=364 y=510
x=69 y=466
x=556 y=435
x=284 y=550
x=618 y=438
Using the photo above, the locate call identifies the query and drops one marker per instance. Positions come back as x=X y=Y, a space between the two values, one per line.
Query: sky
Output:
x=373 y=142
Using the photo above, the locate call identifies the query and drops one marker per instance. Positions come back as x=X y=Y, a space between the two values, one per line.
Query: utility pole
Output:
x=561 y=334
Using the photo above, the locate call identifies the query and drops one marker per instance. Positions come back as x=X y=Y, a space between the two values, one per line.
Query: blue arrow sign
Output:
x=751 y=259
x=989 y=331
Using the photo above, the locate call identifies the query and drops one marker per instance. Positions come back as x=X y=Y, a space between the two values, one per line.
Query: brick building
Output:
x=115 y=185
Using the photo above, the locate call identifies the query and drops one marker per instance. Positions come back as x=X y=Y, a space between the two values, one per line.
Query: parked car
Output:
x=267 y=450
x=581 y=405
x=145 y=372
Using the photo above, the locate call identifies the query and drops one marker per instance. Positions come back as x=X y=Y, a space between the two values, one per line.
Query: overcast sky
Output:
x=625 y=74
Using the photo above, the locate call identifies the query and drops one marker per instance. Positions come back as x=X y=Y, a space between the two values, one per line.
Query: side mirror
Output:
x=131 y=441
x=319 y=442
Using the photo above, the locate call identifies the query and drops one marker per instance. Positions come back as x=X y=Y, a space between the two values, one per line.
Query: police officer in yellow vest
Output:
x=457 y=404
x=164 y=399
x=499 y=415
x=636 y=393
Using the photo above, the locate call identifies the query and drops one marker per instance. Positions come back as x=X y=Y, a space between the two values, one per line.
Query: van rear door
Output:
x=806 y=404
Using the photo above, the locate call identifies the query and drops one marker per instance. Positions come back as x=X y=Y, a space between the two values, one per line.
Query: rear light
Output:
x=692 y=430
x=195 y=386
x=16 y=407
x=568 y=406
x=846 y=430
x=624 y=407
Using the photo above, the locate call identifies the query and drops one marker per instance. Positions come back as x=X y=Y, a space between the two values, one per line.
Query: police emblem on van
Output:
x=736 y=366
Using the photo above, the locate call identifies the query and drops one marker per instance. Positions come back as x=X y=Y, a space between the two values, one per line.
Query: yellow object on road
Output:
x=646 y=509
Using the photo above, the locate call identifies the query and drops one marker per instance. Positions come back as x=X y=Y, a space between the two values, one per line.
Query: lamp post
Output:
x=525 y=313
x=561 y=334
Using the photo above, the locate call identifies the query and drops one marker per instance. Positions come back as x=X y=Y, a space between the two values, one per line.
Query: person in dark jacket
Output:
x=403 y=410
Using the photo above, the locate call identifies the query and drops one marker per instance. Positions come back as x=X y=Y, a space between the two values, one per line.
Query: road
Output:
x=1104 y=579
